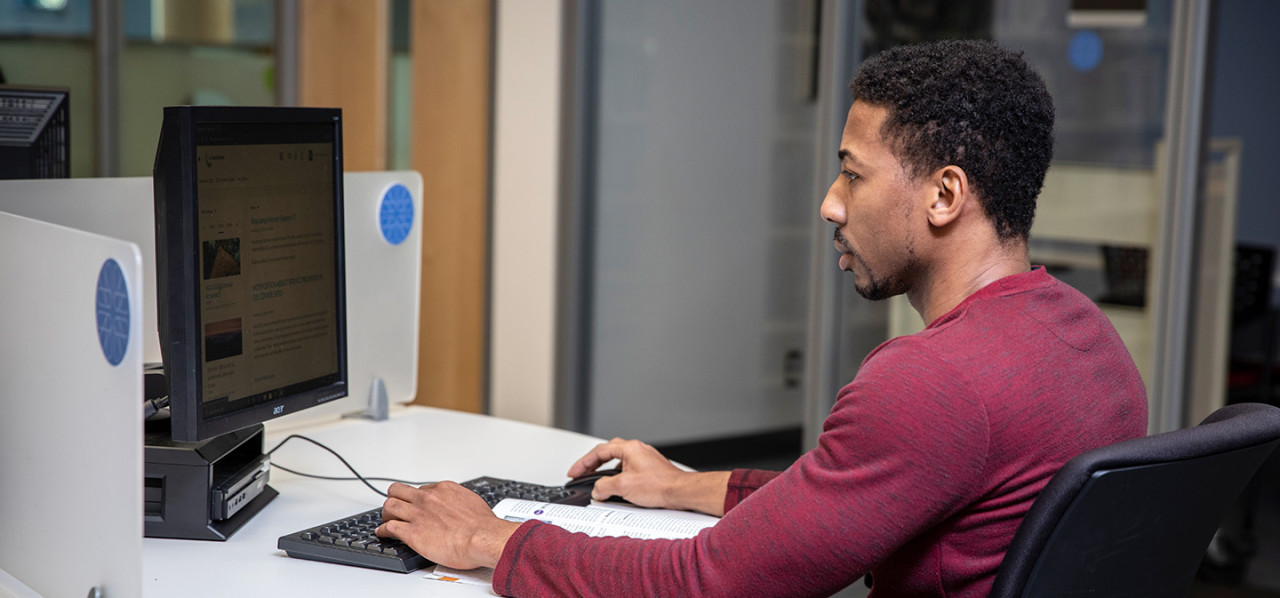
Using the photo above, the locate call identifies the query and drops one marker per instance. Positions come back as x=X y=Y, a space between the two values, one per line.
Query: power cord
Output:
x=359 y=477
x=153 y=406
x=155 y=390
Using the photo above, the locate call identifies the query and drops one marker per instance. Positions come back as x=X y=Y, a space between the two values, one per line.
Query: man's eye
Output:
x=848 y=175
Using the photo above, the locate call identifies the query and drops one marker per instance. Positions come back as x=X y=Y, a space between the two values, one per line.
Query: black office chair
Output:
x=1134 y=518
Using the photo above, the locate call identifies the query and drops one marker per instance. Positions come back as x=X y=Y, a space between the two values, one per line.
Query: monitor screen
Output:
x=249 y=255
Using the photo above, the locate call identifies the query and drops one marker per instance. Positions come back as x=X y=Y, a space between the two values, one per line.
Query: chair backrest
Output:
x=1134 y=518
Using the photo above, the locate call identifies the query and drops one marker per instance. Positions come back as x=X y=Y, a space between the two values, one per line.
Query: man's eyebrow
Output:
x=847 y=156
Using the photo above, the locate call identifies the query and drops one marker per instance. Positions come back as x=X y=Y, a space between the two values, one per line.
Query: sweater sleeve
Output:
x=742 y=482
x=901 y=451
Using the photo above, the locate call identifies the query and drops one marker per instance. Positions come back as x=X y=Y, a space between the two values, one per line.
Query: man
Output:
x=935 y=451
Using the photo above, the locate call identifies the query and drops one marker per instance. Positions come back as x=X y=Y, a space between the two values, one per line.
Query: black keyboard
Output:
x=351 y=540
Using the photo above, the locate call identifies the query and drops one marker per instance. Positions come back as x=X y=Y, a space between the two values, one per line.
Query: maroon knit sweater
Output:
x=924 y=468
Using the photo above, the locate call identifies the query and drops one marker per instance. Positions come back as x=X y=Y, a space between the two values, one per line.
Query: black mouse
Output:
x=589 y=479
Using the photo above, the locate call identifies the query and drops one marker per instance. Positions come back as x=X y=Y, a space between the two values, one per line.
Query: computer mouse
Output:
x=589 y=479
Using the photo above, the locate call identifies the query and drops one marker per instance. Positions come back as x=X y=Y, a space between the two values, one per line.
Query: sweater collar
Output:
x=1016 y=283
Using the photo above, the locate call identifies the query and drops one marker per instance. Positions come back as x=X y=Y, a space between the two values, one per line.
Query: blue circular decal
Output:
x=113 y=312
x=1085 y=51
x=395 y=214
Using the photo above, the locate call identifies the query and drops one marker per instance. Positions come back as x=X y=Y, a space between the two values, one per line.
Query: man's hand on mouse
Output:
x=445 y=523
x=649 y=479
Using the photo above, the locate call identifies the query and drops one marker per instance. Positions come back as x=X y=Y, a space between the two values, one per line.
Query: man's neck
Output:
x=947 y=285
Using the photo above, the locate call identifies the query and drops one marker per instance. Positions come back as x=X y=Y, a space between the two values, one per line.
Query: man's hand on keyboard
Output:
x=445 y=523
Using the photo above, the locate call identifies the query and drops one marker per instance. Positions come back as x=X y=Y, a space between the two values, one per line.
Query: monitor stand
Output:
x=203 y=490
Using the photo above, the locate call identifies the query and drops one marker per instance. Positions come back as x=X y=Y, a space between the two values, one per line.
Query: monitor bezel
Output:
x=176 y=201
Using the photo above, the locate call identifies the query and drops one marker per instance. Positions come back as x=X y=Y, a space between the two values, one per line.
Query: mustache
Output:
x=844 y=245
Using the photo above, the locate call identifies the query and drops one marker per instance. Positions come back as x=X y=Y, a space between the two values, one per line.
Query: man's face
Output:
x=876 y=208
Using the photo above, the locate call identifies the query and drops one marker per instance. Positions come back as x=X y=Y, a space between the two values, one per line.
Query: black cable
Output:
x=152 y=407
x=344 y=462
x=344 y=479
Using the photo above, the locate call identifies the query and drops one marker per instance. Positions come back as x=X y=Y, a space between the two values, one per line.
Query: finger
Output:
x=394 y=508
x=389 y=529
x=401 y=491
x=606 y=488
x=588 y=462
x=601 y=454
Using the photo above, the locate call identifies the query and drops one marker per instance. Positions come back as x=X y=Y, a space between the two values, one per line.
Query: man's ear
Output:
x=951 y=192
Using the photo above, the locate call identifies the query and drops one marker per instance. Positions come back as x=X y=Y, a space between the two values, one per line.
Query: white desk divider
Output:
x=10 y=587
x=70 y=409
x=383 y=277
x=120 y=208
x=383 y=213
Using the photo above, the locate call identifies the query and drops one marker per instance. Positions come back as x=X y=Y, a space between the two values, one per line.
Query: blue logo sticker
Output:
x=395 y=214
x=1085 y=51
x=113 y=312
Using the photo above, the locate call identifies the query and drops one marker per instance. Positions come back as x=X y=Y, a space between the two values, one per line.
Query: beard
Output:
x=886 y=284
x=878 y=288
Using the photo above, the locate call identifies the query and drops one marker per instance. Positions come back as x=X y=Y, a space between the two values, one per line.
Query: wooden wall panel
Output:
x=451 y=51
x=343 y=55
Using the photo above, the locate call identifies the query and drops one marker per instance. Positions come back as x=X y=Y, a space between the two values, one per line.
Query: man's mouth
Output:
x=841 y=245
x=847 y=256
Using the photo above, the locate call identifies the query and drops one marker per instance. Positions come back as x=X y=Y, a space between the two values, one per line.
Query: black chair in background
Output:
x=1134 y=518
x=1253 y=323
x=1125 y=272
x=1251 y=363
x=35 y=141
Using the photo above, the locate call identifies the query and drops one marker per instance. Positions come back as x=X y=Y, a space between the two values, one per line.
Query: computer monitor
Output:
x=249 y=264
x=35 y=136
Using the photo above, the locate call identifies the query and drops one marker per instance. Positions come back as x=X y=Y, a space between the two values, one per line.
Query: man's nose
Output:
x=831 y=210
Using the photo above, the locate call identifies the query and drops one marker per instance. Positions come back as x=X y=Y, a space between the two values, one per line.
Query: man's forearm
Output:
x=699 y=491
x=488 y=542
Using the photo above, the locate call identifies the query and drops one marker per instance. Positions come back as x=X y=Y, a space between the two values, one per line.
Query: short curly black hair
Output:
x=969 y=103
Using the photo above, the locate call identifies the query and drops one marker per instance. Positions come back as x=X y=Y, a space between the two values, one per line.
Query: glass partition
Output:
x=176 y=52
x=702 y=196
x=49 y=44
x=1098 y=216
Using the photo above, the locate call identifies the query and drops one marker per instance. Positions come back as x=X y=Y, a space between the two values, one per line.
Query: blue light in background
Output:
x=1085 y=51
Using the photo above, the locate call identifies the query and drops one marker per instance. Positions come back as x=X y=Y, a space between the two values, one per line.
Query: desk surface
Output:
x=416 y=443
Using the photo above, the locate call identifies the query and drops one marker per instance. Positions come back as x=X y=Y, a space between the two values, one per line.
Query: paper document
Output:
x=595 y=520
x=482 y=576
x=606 y=521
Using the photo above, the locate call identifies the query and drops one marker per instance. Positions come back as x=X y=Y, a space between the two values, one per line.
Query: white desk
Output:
x=417 y=443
